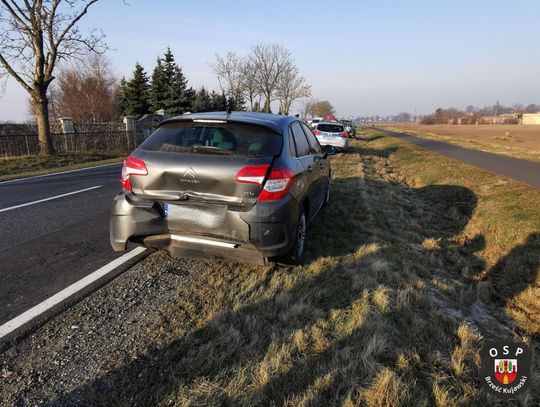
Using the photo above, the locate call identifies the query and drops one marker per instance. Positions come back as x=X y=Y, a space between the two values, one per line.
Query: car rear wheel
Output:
x=296 y=254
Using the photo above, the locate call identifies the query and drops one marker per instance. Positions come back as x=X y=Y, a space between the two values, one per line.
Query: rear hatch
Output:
x=330 y=130
x=194 y=174
x=200 y=161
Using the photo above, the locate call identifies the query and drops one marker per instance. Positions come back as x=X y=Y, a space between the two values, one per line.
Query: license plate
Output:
x=327 y=136
x=200 y=215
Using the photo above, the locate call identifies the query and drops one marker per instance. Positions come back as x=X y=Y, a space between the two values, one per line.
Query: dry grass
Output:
x=12 y=168
x=520 y=141
x=381 y=314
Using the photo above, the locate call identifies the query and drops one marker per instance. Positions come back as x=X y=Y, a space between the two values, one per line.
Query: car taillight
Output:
x=316 y=132
x=254 y=174
x=132 y=166
x=344 y=134
x=277 y=185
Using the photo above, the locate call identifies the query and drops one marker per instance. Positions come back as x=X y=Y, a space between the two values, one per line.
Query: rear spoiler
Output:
x=268 y=124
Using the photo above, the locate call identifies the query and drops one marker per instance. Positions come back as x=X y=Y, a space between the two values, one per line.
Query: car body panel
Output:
x=216 y=216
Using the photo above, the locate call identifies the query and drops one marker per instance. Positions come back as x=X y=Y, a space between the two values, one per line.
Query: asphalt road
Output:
x=525 y=171
x=48 y=245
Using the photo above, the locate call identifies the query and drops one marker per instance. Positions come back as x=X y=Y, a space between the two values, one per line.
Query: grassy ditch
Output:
x=417 y=260
x=18 y=167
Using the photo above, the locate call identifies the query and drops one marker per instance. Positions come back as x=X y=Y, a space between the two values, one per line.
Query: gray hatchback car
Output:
x=239 y=186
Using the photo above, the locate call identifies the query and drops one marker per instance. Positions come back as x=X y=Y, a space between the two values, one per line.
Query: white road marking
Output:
x=39 y=309
x=203 y=241
x=49 y=199
x=58 y=173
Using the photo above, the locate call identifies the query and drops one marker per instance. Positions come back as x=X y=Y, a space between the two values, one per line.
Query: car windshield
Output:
x=330 y=128
x=227 y=138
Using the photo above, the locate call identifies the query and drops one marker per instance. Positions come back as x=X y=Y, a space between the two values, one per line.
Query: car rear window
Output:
x=226 y=138
x=330 y=128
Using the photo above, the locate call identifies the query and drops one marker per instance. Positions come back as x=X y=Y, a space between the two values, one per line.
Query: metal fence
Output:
x=111 y=141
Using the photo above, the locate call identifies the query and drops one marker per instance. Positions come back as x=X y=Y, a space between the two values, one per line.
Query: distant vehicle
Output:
x=332 y=134
x=241 y=186
x=316 y=120
x=350 y=127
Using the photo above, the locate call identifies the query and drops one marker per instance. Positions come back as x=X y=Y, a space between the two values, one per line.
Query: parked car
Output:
x=316 y=120
x=333 y=134
x=350 y=127
x=241 y=186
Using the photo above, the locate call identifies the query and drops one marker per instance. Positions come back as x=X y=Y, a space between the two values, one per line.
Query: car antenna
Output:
x=229 y=108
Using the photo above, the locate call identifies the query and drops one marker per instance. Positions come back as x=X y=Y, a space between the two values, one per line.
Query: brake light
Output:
x=344 y=134
x=132 y=166
x=254 y=174
x=277 y=185
x=316 y=132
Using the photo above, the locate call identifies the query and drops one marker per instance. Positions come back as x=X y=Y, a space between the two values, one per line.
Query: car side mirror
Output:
x=329 y=150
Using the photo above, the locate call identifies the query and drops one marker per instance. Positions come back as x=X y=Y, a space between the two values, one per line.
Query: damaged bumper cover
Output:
x=197 y=229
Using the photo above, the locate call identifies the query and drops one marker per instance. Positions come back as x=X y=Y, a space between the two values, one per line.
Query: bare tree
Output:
x=290 y=87
x=250 y=86
x=321 y=108
x=34 y=36
x=228 y=69
x=306 y=107
x=86 y=91
x=269 y=62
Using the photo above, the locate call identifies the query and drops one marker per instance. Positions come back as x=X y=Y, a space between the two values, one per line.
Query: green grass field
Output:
x=416 y=262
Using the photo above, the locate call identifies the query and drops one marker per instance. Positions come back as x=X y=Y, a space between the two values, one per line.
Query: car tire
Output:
x=296 y=254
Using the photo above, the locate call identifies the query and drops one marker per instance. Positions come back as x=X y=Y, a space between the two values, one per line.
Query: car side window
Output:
x=313 y=142
x=302 y=145
x=292 y=144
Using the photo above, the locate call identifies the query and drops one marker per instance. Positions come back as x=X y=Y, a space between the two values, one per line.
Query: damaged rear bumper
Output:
x=194 y=229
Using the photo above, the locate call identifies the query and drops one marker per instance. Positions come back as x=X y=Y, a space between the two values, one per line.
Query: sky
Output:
x=366 y=57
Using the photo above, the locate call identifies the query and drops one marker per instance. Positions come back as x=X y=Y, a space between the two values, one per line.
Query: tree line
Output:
x=35 y=36
x=267 y=74
x=89 y=92
x=473 y=114
x=167 y=89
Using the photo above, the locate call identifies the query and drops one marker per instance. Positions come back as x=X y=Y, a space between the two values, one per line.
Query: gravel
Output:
x=104 y=331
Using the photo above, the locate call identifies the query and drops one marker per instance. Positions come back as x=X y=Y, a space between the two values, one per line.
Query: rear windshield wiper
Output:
x=199 y=148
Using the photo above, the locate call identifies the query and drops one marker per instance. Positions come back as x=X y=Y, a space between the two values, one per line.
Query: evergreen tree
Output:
x=136 y=94
x=238 y=104
x=202 y=102
x=189 y=97
x=219 y=102
x=169 y=86
x=158 y=88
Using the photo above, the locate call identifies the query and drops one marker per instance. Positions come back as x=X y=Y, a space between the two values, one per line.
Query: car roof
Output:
x=274 y=122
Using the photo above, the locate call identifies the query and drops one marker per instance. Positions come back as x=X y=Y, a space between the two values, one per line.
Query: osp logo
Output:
x=190 y=176
x=506 y=368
